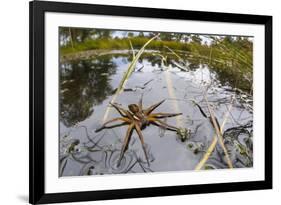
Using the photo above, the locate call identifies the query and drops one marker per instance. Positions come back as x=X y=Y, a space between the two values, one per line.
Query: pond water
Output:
x=87 y=85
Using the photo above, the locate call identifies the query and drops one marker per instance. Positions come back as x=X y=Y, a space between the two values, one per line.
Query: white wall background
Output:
x=14 y=100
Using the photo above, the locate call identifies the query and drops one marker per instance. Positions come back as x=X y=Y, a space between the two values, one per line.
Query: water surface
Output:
x=88 y=85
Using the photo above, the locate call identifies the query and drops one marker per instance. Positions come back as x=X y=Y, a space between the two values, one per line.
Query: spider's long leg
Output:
x=122 y=111
x=126 y=142
x=164 y=127
x=113 y=120
x=142 y=141
x=111 y=126
x=152 y=107
x=119 y=109
x=162 y=124
x=164 y=115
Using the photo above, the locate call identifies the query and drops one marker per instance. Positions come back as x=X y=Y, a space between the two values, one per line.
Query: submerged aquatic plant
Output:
x=196 y=147
x=183 y=133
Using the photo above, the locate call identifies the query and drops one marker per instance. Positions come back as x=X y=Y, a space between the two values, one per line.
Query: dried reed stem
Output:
x=215 y=140
x=219 y=133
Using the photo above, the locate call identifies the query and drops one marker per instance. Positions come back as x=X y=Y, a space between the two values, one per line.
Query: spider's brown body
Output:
x=137 y=119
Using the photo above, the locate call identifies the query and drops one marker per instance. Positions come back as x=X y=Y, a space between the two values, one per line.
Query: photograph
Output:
x=137 y=101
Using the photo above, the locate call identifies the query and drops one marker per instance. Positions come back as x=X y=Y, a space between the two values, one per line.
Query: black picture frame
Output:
x=37 y=9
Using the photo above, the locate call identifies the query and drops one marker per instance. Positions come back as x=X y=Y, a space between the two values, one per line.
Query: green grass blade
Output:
x=131 y=67
x=126 y=76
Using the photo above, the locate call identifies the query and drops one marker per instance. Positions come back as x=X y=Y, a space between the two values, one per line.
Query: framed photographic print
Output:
x=140 y=102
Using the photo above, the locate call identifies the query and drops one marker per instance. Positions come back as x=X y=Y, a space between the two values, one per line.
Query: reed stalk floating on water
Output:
x=172 y=95
x=218 y=133
x=215 y=140
x=170 y=88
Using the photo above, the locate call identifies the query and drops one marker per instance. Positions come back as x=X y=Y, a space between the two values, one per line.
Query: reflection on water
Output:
x=87 y=86
x=83 y=84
